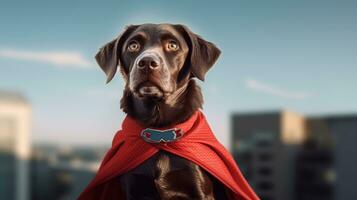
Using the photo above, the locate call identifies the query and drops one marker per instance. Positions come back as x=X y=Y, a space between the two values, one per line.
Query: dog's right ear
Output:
x=108 y=57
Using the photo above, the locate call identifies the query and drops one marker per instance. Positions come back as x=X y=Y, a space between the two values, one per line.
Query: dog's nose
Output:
x=149 y=61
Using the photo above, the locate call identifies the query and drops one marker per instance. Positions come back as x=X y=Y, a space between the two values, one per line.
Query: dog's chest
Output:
x=139 y=182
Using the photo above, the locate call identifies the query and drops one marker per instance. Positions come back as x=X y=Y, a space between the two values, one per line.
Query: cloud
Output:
x=60 y=58
x=275 y=91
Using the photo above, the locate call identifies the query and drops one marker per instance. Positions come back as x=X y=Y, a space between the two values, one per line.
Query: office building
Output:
x=284 y=155
x=265 y=145
x=15 y=117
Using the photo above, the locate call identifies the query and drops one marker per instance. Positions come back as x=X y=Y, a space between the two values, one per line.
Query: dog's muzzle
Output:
x=146 y=79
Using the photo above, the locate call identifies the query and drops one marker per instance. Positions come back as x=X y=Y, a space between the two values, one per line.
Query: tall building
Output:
x=343 y=130
x=287 y=156
x=265 y=145
x=315 y=176
x=15 y=116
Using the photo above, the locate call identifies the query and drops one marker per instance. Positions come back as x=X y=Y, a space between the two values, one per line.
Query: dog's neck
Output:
x=175 y=109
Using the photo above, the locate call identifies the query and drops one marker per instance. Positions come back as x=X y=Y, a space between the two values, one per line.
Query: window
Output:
x=265 y=157
x=265 y=171
x=265 y=185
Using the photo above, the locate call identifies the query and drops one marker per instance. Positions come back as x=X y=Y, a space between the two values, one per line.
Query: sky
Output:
x=295 y=55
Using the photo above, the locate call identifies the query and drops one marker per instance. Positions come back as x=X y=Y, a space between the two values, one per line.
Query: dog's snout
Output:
x=149 y=61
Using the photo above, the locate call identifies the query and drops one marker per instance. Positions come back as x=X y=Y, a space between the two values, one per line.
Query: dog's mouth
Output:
x=148 y=89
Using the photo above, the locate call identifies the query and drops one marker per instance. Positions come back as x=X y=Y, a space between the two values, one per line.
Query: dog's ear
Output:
x=203 y=54
x=108 y=57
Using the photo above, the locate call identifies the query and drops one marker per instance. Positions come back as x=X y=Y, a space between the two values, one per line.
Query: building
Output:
x=62 y=172
x=284 y=155
x=15 y=119
x=314 y=163
x=343 y=130
x=326 y=168
x=265 y=145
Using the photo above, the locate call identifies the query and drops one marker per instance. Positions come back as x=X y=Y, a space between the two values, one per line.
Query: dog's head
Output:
x=157 y=59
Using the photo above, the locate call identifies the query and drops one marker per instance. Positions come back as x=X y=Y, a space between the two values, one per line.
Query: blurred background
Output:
x=282 y=96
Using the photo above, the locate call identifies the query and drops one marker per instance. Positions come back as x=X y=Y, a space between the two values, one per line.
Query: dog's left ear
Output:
x=108 y=57
x=203 y=54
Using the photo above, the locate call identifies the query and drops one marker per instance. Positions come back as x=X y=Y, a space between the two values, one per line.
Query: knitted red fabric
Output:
x=198 y=144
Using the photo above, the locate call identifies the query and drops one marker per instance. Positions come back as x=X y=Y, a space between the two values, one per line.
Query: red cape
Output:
x=198 y=144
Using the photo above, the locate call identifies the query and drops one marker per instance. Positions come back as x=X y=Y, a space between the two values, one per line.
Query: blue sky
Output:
x=298 y=55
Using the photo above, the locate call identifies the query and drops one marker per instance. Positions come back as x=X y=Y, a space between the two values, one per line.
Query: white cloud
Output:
x=274 y=90
x=60 y=58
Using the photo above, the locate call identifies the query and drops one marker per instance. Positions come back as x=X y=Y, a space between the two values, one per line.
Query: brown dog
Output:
x=158 y=63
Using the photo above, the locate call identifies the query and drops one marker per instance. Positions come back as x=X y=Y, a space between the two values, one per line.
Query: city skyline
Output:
x=275 y=55
x=285 y=155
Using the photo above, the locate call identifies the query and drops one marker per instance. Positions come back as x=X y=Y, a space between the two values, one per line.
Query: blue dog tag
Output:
x=157 y=136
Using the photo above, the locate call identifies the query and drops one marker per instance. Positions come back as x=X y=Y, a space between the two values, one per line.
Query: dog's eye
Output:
x=133 y=46
x=172 y=46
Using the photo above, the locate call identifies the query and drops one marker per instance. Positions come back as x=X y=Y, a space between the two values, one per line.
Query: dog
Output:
x=160 y=64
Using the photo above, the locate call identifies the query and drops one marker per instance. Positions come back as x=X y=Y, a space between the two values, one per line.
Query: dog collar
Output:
x=164 y=136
